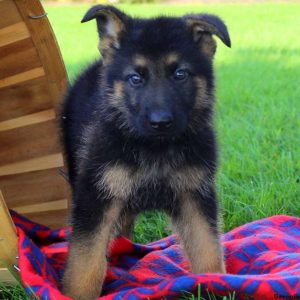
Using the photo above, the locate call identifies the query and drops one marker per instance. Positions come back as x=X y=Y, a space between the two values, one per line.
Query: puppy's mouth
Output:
x=145 y=133
x=162 y=137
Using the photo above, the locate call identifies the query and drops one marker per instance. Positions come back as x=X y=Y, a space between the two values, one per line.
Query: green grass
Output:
x=16 y=293
x=258 y=93
x=199 y=295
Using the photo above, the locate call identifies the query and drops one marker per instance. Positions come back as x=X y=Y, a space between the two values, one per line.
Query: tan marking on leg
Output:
x=201 y=245
x=86 y=266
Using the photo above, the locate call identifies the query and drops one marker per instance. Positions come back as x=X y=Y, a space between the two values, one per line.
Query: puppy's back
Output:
x=80 y=102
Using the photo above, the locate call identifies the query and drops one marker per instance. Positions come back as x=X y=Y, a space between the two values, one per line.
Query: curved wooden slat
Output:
x=28 y=142
x=32 y=80
x=31 y=119
x=42 y=207
x=25 y=98
x=9 y=13
x=46 y=44
x=38 y=187
x=36 y=164
x=18 y=57
x=13 y=33
x=21 y=77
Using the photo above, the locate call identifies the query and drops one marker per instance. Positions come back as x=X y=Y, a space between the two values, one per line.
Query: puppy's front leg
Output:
x=196 y=224
x=86 y=265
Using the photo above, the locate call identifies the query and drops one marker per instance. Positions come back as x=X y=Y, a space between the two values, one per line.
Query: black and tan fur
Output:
x=138 y=134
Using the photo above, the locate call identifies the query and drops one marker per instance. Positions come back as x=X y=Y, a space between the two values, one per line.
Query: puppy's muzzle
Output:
x=161 y=121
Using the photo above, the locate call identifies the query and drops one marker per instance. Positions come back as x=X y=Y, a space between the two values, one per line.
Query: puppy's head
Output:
x=157 y=72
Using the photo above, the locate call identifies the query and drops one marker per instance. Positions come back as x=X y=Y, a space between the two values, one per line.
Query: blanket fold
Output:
x=262 y=262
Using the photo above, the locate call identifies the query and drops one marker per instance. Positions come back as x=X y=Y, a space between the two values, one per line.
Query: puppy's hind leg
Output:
x=199 y=233
x=126 y=224
x=86 y=265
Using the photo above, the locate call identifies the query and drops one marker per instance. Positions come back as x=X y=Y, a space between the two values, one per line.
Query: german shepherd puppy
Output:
x=138 y=133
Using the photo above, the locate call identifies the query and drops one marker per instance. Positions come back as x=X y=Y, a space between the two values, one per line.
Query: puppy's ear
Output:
x=203 y=26
x=110 y=22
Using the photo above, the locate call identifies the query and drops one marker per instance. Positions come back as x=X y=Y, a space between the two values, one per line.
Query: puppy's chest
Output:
x=121 y=181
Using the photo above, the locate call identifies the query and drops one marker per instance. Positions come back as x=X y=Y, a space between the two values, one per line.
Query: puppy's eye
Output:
x=135 y=79
x=180 y=74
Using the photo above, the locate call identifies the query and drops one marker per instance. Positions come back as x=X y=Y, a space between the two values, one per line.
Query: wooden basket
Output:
x=32 y=79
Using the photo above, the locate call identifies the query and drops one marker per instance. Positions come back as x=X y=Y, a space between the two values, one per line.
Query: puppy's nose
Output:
x=160 y=120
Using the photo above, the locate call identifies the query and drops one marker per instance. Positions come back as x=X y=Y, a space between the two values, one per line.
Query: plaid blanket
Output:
x=262 y=261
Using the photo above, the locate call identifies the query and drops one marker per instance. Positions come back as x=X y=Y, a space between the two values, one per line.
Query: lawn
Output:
x=258 y=97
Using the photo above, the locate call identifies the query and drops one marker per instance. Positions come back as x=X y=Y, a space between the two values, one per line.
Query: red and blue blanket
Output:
x=262 y=262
